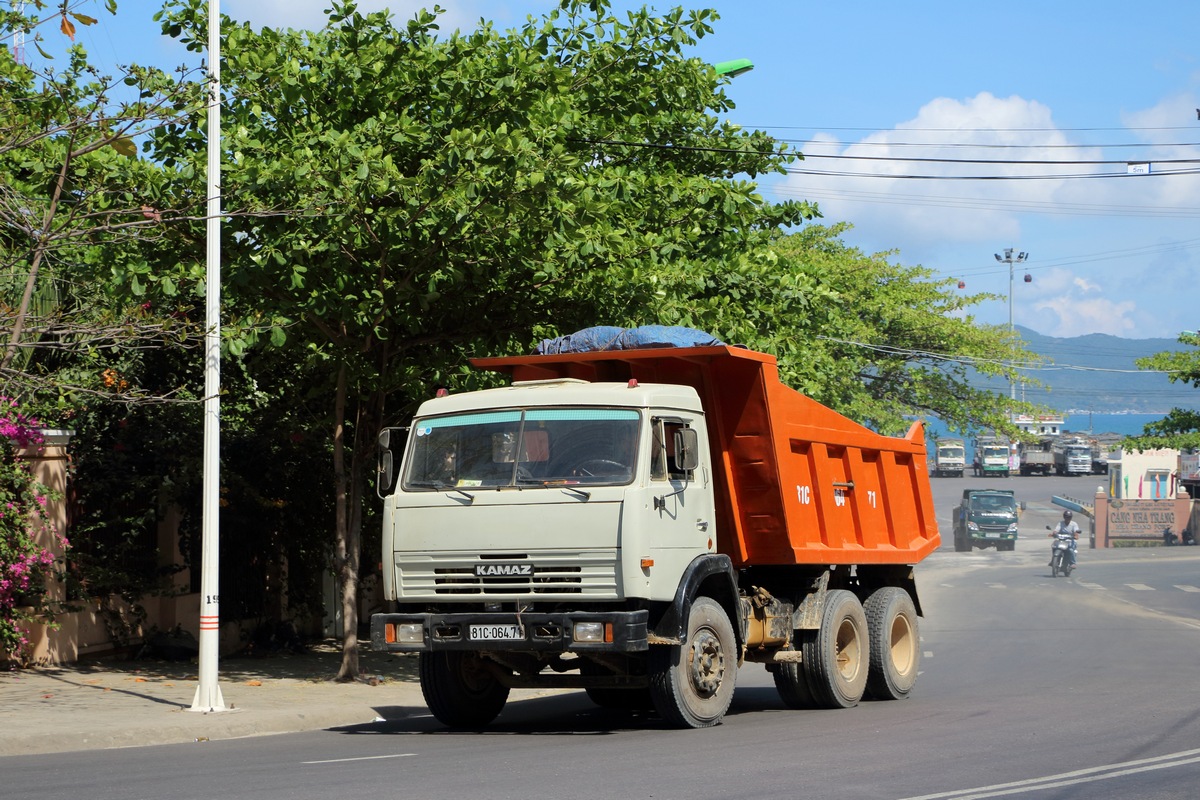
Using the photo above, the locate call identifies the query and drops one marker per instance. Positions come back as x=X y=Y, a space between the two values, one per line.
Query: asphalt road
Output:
x=1031 y=687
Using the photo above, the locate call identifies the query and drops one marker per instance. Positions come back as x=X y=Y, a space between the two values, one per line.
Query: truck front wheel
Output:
x=460 y=690
x=895 y=643
x=836 y=658
x=692 y=683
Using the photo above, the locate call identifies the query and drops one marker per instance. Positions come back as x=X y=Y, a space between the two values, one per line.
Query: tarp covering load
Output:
x=607 y=337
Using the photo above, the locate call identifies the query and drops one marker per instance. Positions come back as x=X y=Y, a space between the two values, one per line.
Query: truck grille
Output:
x=567 y=573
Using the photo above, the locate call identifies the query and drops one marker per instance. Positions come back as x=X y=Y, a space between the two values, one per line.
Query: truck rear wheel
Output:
x=895 y=643
x=837 y=656
x=692 y=683
x=791 y=679
x=460 y=690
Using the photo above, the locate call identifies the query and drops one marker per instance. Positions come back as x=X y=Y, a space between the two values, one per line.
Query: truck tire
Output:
x=692 y=683
x=895 y=643
x=460 y=690
x=791 y=679
x=613 y=698
x=838 y=656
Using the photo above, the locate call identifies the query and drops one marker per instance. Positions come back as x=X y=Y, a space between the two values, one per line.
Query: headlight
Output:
x=972 y=526
x=410 y=633
x=589 y=632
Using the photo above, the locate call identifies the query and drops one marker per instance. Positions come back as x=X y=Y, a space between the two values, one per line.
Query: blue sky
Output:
x=969 y=87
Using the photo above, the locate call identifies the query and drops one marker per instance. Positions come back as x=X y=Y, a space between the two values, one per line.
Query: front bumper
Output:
x=626 y=632
x=992 y=536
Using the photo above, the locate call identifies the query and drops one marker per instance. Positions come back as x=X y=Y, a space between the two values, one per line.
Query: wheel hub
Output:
x=707 y=664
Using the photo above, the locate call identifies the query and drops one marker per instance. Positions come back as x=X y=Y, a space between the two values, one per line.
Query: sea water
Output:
x=1082 y=424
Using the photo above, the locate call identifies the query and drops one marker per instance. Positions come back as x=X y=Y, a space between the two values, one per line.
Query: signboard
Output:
x=1189 y=466
x=1139 y=519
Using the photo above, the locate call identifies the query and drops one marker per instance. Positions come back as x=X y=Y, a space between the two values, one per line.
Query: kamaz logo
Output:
x=487 y=570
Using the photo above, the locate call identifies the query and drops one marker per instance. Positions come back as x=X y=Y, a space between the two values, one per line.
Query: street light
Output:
x=1010 y=257
x=739 y=66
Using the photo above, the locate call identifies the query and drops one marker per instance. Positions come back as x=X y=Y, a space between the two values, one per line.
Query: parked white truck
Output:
x=950 y=458
x=638 y=524
x=1073 y=456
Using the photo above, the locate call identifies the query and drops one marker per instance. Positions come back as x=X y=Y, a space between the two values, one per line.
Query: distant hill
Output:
x=1097 y=373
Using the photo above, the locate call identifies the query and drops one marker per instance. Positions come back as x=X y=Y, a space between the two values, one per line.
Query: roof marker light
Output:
x=633 y=383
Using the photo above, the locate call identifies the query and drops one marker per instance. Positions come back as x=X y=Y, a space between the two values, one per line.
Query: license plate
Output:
x=492 y=633
x=992 y=535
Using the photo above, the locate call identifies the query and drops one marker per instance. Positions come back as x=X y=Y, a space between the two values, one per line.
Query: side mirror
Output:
x=385 y=476
x=687 y=448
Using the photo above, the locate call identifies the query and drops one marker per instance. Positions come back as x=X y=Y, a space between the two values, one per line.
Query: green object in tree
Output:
x=738 y=66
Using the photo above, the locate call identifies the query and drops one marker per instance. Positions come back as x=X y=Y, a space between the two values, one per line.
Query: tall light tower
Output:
x=1011 y=257
x=18 y=45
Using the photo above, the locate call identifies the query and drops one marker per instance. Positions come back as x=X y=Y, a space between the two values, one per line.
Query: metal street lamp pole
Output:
x=1011 y=257
x=208 y=696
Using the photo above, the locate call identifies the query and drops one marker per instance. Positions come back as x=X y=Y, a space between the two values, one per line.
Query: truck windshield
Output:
x=993 y=503
x=951 y=452
x=523 y=448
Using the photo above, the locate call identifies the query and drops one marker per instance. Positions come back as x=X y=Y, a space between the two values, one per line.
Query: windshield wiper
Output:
x=441 y=486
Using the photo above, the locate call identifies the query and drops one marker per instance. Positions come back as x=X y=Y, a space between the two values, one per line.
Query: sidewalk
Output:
x=111 y=703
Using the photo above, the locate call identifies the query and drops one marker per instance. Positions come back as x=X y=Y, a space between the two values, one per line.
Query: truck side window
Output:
x=663 y=465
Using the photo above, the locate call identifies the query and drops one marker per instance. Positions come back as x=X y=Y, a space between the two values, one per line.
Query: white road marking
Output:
x=1186 y=588
x=360 y=758
x=1089 y=775
x=1140 y=587
x=996 y=586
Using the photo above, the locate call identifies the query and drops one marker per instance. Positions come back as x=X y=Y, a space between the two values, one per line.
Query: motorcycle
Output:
x=1170 y=539
x=1060 y=553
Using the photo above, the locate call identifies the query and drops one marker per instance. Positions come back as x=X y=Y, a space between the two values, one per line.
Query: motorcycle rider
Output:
x=1069 y=527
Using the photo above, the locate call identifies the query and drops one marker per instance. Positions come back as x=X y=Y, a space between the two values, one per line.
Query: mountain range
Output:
x=1096 y=373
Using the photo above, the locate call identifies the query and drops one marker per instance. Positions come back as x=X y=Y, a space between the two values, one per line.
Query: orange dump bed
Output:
x=796 y=482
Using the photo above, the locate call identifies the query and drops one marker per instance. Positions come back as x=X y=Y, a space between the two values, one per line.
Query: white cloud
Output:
x=984 y=127
x=1068 y=304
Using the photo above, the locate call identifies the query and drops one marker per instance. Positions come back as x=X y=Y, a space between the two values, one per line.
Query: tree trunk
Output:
x=348 y=548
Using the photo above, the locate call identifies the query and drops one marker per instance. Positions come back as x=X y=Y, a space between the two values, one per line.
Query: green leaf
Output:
x=124 y=146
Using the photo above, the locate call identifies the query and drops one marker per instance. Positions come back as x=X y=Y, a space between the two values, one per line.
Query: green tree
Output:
x=446 y=195
x=78 y=210
x=874 y=339
x=1180 y=428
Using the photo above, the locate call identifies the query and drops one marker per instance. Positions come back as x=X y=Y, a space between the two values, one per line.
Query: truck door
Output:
x=682 y=525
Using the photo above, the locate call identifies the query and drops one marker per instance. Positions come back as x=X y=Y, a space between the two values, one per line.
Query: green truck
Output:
x=986 y=518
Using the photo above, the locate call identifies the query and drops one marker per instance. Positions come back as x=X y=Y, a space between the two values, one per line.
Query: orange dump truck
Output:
x=638 y=524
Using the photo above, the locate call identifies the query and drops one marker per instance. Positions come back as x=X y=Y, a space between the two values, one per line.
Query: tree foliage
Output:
x=1180 y=428
x=874 y=339
x=80 y=213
